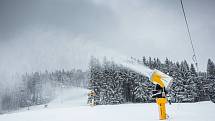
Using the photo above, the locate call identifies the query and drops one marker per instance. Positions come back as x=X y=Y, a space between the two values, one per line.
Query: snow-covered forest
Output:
x=113 y=83
x=40 y=88
x=116 y=84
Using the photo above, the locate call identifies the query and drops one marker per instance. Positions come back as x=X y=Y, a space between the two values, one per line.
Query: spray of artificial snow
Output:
x=133 y=65
x=142 y=69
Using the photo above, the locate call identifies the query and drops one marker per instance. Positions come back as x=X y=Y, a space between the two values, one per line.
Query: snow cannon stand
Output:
x=162 y=108
x=161 y=80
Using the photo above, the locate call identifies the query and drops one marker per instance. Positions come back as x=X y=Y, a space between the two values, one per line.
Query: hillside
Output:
x=73 y=108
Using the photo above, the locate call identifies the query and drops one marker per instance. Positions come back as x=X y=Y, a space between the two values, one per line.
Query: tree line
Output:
x=40 y=88
x=115 y=84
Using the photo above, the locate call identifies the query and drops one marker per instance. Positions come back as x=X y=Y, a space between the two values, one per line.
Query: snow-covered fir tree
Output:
x=210 y=69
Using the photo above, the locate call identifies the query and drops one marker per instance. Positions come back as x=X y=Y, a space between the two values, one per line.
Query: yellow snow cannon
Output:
x=163 y=82
x=91 y=95
x=160 y=78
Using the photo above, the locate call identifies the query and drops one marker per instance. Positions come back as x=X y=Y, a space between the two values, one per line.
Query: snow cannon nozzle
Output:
x=160 y=78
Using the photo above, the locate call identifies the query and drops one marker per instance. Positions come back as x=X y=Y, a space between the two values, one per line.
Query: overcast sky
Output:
x=54 y=34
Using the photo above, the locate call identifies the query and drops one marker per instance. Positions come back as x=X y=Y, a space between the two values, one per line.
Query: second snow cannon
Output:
x=163 y=83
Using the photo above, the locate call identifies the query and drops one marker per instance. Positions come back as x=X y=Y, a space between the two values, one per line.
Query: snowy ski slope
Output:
x=72 y=107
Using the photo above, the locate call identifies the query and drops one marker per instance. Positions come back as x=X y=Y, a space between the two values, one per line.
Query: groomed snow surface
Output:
x=71 y=106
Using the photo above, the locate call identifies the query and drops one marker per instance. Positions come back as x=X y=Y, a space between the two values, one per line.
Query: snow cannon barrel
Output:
x=158 y=77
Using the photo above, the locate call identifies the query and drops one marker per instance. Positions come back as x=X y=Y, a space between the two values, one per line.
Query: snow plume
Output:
x=74 y=96
x=37 y=50
x=140 y=68
x=134 y=65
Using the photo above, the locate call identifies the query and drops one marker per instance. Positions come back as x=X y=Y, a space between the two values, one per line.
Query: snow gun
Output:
x=163 y=83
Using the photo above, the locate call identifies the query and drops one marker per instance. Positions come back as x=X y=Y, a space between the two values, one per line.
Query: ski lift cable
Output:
x=190 y=38
x=191 y=42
